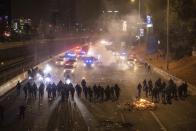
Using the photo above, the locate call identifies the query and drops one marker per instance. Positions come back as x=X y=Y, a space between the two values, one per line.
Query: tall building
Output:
x=5 y=18
x=62 y=12
x=5 y=10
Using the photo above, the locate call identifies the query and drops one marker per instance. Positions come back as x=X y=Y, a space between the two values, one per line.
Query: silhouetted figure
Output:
x=22 y=109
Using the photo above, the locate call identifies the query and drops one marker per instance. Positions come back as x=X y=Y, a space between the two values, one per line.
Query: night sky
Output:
x=40 y=9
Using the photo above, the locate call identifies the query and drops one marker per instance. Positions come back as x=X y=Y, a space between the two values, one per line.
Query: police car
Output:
x=89 y=61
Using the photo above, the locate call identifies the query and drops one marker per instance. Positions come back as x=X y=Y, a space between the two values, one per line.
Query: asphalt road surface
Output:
x=81 y=115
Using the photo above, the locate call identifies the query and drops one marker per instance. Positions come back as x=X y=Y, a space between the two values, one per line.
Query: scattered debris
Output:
x=140 y=104
x=107 y=124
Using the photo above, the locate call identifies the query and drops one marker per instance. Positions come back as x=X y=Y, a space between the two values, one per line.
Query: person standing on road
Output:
x=112 y=92
x=185 y=89
x=117 y=91
x=83 y=83
x=144 y=85
x=49 y=90
x=163 y=93
x=107 y=92
x=41 y=90
x=54 y=90
x=150 y=85
x=78 y=89
x=22 y=109
x=59 y=87
x=139 y=89
x=95 y=92
x=102 y=93
x=72 y=89
x=34 y=90
x=25 y=88
x=18 y=87
x=90 y=93
x=85 y=90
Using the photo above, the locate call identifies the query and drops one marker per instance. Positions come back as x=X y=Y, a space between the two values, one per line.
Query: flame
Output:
x=143 y=104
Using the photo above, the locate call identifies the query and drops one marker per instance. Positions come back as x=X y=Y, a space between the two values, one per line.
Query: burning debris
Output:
x=141 y=104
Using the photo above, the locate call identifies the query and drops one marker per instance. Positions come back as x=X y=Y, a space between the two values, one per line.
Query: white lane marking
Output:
x=158 y=121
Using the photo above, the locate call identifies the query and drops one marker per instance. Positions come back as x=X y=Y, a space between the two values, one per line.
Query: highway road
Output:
x=18 y=57
x=81 y=115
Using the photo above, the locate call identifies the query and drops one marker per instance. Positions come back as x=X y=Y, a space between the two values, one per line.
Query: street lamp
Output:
x=138 y=5
x=139 y=13
x=167 y=53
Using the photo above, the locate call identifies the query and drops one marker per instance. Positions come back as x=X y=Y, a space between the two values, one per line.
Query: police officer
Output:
x=83 y=83
x=163 y=93
x=90 y=93
x=41 y=90
x=95 y=91
x=78 y=89
x=117 y=91
x=54 y=90
x=150 y=85
x=139 y=88
x=85 y=91
x=34 y=87
x=72 y=89
x=25 y=88
x=18 y=87
x=22 y=109
x=144 y=85
x=185 y=89
x=107 y=92
x=49 y=90
x=102 y=93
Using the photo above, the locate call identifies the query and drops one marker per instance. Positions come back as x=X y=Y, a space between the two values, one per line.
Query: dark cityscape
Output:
x=97 y=65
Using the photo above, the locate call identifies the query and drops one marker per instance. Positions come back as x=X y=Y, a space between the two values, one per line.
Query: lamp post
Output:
x=139 y=8
x=167 y=52
x=139 y=13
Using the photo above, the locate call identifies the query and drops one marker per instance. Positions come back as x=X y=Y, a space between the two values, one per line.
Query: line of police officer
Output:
x=162 y=91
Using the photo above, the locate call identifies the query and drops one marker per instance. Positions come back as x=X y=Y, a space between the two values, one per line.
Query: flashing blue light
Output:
x=89 y=61
x=70 y=55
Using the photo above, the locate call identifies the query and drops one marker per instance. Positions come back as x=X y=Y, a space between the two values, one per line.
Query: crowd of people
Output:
x=95 y=93
x=162 y=91
x=92 y=93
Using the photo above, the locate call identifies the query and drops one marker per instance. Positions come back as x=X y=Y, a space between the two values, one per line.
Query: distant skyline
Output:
x=85 y=10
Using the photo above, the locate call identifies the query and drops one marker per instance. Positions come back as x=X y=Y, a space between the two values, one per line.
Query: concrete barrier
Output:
x=12 y=83
x=21 y=77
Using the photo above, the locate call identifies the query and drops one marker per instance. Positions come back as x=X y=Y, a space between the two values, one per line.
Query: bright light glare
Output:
x=90 y=53
x=30 y=78
x=68 y=81
x=47 y=79
x=72 y=71
x=103 y=41
x=47 y=69
x=122 y=57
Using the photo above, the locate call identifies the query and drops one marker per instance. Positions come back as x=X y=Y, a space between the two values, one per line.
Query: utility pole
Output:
x=167 y=53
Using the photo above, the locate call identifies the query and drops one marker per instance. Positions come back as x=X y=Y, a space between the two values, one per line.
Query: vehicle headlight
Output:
x=68 y=81
x=30 y=77
x=61 y=63
x=93 y=65
x=56 y=62
x=72 y=71
x=64 y=70
x=135 y=60
x=84 y=64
